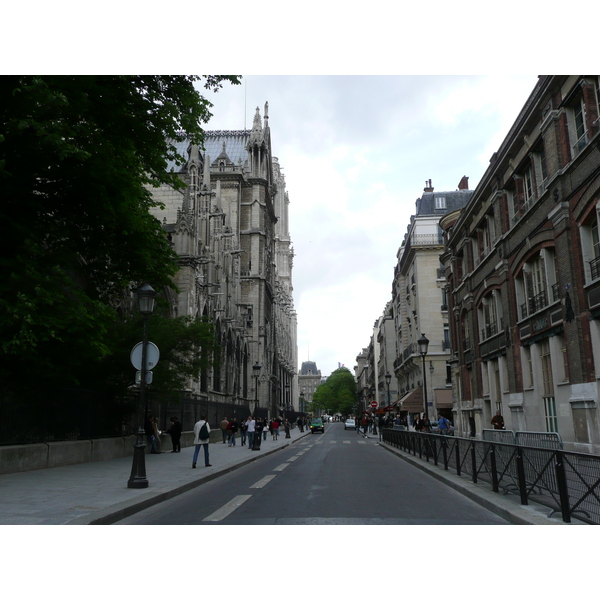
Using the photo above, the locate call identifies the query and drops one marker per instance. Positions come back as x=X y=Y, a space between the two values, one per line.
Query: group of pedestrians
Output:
x=153 y=434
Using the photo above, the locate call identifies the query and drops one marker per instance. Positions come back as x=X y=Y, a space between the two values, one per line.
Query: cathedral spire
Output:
x=256 y=135
x=206 y=175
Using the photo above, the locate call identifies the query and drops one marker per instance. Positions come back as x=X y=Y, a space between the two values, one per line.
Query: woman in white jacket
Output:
x=201 y=438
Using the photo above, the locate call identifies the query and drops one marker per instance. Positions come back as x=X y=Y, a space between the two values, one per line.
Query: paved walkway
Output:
x=97 y=492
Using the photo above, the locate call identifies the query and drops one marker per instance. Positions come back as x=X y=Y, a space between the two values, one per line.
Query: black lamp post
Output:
x=302 y=407
x=137 y=479
x=388 y=377
x=287 y=399
x=256 y=373
x=423 y=346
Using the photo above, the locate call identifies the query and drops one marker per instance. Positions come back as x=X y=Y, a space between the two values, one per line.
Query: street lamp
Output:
x=302 y=409
x=423 y=346
x=287 y=398
x=146 y=297
x=388 y=377
x=256 y=372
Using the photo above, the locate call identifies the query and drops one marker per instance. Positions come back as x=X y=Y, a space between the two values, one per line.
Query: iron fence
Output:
x=565 y=482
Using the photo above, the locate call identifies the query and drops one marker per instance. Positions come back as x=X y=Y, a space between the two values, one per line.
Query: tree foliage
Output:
x=337 y=394
x=77 y=155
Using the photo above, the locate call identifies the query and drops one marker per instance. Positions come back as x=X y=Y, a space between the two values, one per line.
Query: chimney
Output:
x=464 y=183
x=428 y=187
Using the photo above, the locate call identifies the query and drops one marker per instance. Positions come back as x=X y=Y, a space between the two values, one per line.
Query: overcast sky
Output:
x=356 y=152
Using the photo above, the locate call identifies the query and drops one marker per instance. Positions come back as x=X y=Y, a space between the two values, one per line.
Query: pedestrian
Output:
x=266 y=429
x=420 y=424
x=149 y=431
x=175 y=432
x=301 y=424
x=233 y=428
x=157 y=435
x=251 y=430
x=287 y=426
x=365 y=424
x=223 y=425
x=498 y=420
x=201 y=438
x=244 y=431
x=259 y=428
x=443 y=425
x=275 y=429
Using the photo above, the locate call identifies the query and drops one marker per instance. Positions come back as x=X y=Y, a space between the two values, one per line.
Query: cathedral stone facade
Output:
x=229 y=227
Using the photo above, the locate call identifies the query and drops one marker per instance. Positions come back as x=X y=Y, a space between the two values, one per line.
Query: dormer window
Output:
x=440 y=202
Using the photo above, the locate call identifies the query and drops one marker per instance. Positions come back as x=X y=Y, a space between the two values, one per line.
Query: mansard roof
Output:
x=309 y=368
x=426 y=204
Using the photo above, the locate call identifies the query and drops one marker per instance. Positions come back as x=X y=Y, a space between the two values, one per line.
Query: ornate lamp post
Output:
x=256 y=373
x=388 y=378
x=302 y=407
x=423 y=346
x=137 y=479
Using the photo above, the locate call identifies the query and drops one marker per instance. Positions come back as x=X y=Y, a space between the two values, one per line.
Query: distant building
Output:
x=420 y=305
x=309 y=379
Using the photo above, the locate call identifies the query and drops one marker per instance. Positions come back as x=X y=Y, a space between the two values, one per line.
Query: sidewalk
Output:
x=97 y=492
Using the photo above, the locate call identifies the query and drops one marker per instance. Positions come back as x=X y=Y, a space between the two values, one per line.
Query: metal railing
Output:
x=565 y=482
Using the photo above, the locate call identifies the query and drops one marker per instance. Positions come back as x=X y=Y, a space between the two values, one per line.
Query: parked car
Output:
x=349 y=424
x=317 y=425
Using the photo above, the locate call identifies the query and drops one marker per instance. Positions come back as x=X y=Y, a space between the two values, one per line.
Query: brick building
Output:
x=522 y=264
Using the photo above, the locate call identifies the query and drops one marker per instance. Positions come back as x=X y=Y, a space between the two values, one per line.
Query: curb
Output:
x=122 y=510
x=499 y=504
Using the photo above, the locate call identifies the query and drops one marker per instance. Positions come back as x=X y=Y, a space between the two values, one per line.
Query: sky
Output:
x=356 y=152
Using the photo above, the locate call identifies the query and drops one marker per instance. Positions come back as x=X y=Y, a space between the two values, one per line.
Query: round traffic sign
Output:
x=373 y=403
x=152 y=356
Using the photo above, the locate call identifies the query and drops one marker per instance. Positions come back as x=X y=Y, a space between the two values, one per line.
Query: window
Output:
x=528 y=193
x=550 y=414
x=590 y=242
x=537 y=285
x=440 y=202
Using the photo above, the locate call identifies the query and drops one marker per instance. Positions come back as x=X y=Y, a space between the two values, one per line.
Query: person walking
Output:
x=266 y=428
x=498 y=421
x=287 y=427
x=233 y=428
x=149 y=431
x=244 y=431
x=444 y=425
x=275 y=429
x=223 y=425
x=201 y=438
x=175 y=432
x=251 y=429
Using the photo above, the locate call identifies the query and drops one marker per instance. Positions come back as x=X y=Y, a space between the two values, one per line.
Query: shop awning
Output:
x=443 y=398
x=413 y=401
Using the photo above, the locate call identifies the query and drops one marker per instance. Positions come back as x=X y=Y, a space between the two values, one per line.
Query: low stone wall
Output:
x=29 y=457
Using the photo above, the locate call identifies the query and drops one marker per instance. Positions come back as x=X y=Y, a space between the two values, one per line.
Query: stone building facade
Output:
x=309 y=379
x=230 y=229
x=419 y=305
x=523 y=272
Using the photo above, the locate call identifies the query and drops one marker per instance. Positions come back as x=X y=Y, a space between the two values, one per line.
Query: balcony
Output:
x=539 y=301
x=595 y=268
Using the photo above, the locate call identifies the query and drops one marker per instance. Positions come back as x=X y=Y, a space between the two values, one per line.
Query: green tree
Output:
x=77 y=154
x=337 y=393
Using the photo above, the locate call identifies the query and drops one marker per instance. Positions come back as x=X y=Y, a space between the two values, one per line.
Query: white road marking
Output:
x=226 y=510
x=281 y=467
x=292 y=458
x=263 y=481
x=362 y=442
x=347 y=442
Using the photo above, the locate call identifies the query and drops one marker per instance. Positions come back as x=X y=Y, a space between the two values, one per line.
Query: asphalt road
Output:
x=333 y=478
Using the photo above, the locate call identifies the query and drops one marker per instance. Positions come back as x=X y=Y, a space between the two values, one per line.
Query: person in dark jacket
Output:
x=175 y=432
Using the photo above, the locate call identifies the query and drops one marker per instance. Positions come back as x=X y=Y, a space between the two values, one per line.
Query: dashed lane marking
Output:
x=281 y=467
x=226 y=510
x=261 y=483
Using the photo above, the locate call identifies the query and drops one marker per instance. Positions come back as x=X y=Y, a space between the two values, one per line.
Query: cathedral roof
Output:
x=235 y=143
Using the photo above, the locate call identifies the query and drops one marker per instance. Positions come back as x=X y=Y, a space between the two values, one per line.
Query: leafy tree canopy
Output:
x=337 y=394
x=77 y=154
